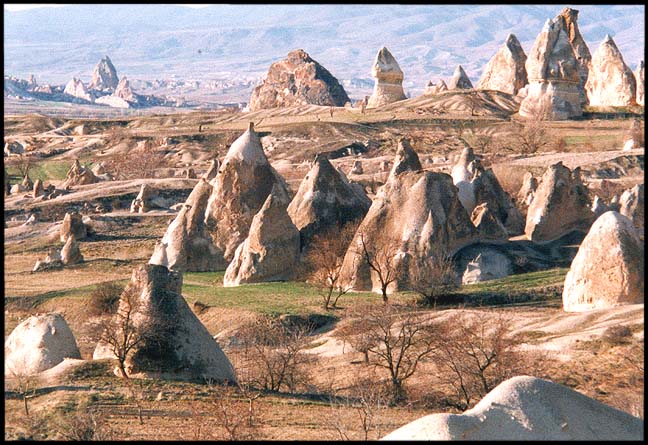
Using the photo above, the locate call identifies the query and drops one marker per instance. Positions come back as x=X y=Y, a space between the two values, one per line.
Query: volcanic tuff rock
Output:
x=325 y=199
x=527 y=408
x=639 y=79
x=37 y=344
x=608 y=268
x=561 y=204
x=610 y=82
x=489 y=264
x=124 y=90
x=71 y=254
x=38 y=189
x=113 y=101
x=104 y=76
x=505 y=71
x=175 y=343
x=79 y=175
x=460 y=80
x=76 y=88
x=388 y=84
x=487 y=223
x=553 y=74
x=581 y=51
x=527 y=191
x=631 y=204
x=435 y=88
x=244 y=181
x=598 y=206
x=414 y=215
x=73 y=226
x=271 y=249
x=298 y=80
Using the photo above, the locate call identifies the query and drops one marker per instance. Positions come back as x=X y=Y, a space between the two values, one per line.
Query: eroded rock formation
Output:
x=460 y=80
x=505 y=71
x=610 y=82
x=79 y=175
x=104 y=76
x=76 y=88
x=435 y=88
x=388 y=84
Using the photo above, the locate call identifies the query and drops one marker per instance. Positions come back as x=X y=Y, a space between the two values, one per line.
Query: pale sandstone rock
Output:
x=113 y=101
x=488 y=265
x=99 y=169
x=460 y=80
x=271 y=249
x=79 y=175
x=610 y=81
x=608 y=269
x=388 y=86
x=598 y=206
x=184 y=349
x=38 y=189
x=631 y=204
x=104 y=76
x=435 y=88
x=639 y=79
x=581 y=51
x=357 y=168
x=488 y=225
x=142 y=202
x=73 y=226
x=505 y=71
x=37 y=344
x=124 y=91
x=561 y=204
x=527 y=191
x=76 y=88
x=71 y=254
x=27 y=183
x=527 y=408
x=298 y=80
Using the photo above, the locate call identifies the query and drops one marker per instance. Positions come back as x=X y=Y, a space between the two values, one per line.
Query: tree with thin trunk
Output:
x=432 y=277
x=383 y=260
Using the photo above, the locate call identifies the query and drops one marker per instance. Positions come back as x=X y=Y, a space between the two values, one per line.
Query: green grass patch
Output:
x=518 y=282
x=45 y=171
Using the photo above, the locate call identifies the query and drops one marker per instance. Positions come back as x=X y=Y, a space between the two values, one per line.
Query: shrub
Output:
x=105 y=298
x=617 y=335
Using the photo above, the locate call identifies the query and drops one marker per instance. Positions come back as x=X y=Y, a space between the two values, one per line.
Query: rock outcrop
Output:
x=37 y=344
x=561 y=204
x=298 y=80
x=554 y=77
x=71 y=254
x=113 y=101
x=527 y=191
x=598 y=206
x=435 y=88
x=639 y=79
x=73 y=226
x=460 y=80
x=38 y=189
x=631 y=204
x=610 y=82
x=271 y=249
x=527 y=408
x=244 y=181
x=579 y=47
x=488 y=225
x=124 y=91
x=104 y=76
x=415 y=215
x=175 y=344
x=142 y=202
x=357 y=168
x=608 y=269
x=488 y=265
x=76 y=88
x=79 y=175
x=325 y=199
x=388 y=84
x=505 y=71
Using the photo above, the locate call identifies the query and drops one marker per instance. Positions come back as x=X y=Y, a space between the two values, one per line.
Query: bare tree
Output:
x=432 y=277
x=141 y=162
x=324 y=262
x=233 y=415
x=382 y=259
x=367 y=404
x=533 y=135
x=22 y=164
x=24 y=382
x=85 y=426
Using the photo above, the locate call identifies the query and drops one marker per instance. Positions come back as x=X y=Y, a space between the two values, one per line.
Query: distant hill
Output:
x=241 y=41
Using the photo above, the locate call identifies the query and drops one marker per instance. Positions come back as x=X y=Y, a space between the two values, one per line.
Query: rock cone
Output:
x=460 y=80
x=610 y=82
x=388 y=85
x=505 y=71
x=631 y=204
x=435 y=88
x=79 y=175
x=76 y=88
x=73 y=226
x=71 y=254
x=104 y=76
x=579 y=47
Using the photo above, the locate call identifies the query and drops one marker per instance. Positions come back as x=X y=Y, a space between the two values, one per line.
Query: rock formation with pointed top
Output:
x=579 y=47
x=553 y=72
x=70 y=253
x=79 y=175
x=610 y=81
x=298 y=80
x=141 y=203
x=388 y=85
x=608 y=269
x=416 y=214
x=598 y=206
x=460 y=80
x=488 y=225
x=124 y=91
x=212 y=170
x=631 y=205
x=175 y=344
x=76 y=88
x=639 y=79
x=527 y=191
x=37 y=344
x=38 y=189
x=505 y=71
x=561 y=204
x=244 y=181
x=325 y=199
x=435 y=88
x=271 y=249
x=73 y=226
x=104 y=76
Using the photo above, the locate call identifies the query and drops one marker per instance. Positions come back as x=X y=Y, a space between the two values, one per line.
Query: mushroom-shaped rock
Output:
x=553 y=73
x=435 y=88
x=610 y=81
x=639 y=79
x=298 y=80
x=527 y=408
x=460 y=80
x=79 y=175
x=71 y=254
x=37 y=344
x=73 y=226
x=186 y=245
x=173 y=343
x=579 y=47
x=271 y=250
x=415 y=215
x=631 y=204
x=505 y=71
x=325 y=199
x=560 y=205
x=488 y=224
x=608 y=268
x=388 y=85
x=104 y=76
x=243 y=183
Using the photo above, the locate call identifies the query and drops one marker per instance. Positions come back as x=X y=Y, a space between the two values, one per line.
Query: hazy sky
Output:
x=22 y=7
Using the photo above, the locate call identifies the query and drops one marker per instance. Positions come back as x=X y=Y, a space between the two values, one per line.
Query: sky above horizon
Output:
x=26 y=6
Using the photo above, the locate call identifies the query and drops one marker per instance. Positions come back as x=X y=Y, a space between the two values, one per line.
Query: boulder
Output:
x=357 y=168
x=631 y=204
x=388 y=80
x=488 y=225
x=38 y=189
x=415 y=215
x=175 y=344
x=325 y=199
x=560 y=205
x=104 y=76
x=13 y=148
x=554 y=79
x=579 y=47
x=505 y=71
x=17 y=188
x=610 y=82
x=527 y=408
x=608 y=268
x=52 y=261
x=79 y=175
x=488 y=265
x=76 y=88
x=73 y=226
x=39 y=343
x=71 y=254
x=298 y=80
x=460 y=80
x=639 y=79
x=435 y=88
x=244 y=181
x=271 y=249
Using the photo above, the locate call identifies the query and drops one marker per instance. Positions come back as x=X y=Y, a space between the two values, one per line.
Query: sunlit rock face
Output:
x=505 y=71
x=610 y=82
x=388 y=86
